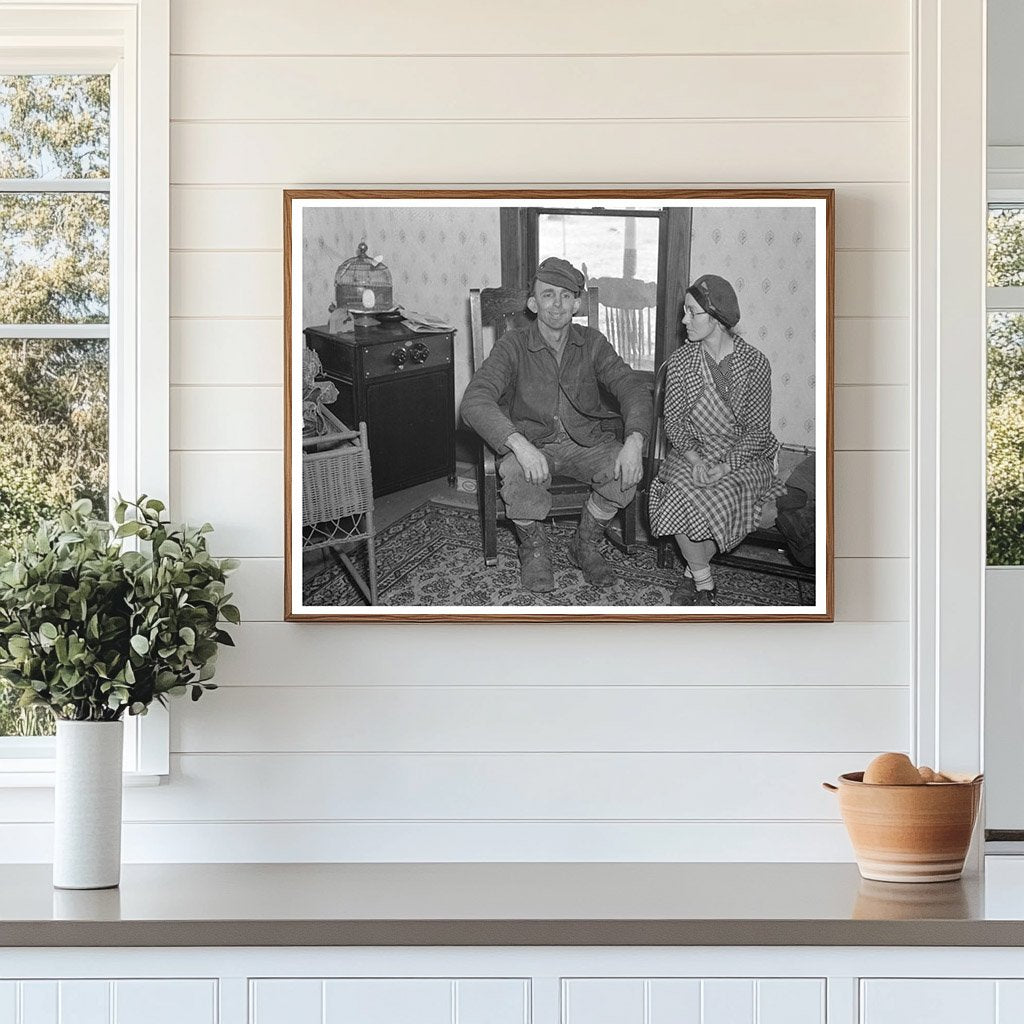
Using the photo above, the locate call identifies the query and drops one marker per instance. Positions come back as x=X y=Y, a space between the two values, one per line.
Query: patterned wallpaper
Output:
x=768 y=256
x=435 y=255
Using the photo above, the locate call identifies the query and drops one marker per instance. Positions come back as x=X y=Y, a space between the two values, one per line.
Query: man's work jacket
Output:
x=522 y=388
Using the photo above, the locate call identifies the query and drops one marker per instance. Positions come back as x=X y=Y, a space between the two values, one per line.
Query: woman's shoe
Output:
x=706 y=597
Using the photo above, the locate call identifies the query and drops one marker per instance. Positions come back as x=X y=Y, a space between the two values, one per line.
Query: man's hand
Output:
x=629 y=463
x=535 y=466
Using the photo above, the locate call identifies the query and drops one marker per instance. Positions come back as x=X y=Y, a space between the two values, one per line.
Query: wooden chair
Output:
x=762 y=536
x=501 y=309
x=337 y=498
x=628 y=308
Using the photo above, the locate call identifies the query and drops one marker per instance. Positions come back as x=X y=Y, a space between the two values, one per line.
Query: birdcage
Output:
x=363 y=285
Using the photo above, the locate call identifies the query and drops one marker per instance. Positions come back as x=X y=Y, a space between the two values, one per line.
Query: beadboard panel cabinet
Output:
x=99 y=1001
x=693 y=1001
x=389 y=1001
x=940 y=1001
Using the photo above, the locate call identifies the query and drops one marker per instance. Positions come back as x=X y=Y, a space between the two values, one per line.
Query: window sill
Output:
x=39 y=774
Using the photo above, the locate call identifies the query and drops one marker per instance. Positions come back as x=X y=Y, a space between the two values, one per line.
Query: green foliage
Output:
x=1005 y=485
x=1005 y=477
x=91 y=630
x=16 y=720
x=53 y=446
x=1005 y=247
x=54 y=268
x=54 y=265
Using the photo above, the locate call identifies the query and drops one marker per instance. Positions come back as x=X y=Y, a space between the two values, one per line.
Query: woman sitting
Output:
x=721 y=467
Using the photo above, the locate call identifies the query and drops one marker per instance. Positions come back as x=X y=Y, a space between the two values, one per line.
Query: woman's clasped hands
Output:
x=705 y=475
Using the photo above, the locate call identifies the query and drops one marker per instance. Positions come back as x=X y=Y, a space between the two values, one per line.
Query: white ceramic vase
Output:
x=87 y=805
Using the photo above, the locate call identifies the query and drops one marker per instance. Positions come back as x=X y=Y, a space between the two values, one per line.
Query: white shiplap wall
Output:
x=677 y=741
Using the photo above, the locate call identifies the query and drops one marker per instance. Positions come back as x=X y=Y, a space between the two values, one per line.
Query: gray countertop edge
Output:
x=510 y=933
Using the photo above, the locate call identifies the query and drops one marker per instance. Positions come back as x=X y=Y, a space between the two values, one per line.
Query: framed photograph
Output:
x=559 y=405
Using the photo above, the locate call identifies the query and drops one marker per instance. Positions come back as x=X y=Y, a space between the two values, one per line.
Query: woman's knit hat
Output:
x=716 y=296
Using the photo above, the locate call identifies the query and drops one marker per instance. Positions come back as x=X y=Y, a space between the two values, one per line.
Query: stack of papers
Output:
x=424 y=322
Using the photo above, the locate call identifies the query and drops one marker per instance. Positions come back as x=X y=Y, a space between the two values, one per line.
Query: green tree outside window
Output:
x=54 y=273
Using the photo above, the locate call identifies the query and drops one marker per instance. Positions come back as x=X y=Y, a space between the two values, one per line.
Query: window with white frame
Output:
x=83 y=264
x=54 y=310
x=1005 y=307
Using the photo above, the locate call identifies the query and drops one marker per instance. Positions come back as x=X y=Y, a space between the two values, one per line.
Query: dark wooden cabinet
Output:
x=401 y=383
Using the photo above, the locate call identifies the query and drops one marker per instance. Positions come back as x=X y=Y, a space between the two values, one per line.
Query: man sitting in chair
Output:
x=535 y=401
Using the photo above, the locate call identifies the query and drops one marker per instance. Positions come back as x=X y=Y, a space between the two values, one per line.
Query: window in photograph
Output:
x=54 y=309
x=1005 y=476
x=619 y=255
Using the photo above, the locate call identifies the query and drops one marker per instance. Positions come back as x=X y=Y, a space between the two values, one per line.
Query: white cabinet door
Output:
x=389 y=1001
x=929 y=1001
x=693 y=1001
x=101 y=1001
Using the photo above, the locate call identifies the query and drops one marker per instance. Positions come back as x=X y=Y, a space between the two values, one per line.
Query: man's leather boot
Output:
x=535 y=559
x=584 y=552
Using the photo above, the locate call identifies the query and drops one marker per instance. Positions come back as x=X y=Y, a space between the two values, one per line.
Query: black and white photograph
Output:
x=559 y=405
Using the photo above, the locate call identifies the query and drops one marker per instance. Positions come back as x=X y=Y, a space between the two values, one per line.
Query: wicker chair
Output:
x=337 y=498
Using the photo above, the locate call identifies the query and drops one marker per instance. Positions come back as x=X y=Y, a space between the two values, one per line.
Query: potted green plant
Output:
x=93 y=630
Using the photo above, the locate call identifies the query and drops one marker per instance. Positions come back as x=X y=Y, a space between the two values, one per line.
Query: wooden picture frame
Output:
x=390 y=392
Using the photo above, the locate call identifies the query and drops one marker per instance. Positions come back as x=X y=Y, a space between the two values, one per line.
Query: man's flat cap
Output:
x=561 y=273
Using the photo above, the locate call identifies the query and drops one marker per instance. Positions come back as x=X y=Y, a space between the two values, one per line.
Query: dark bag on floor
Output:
x=796 y=513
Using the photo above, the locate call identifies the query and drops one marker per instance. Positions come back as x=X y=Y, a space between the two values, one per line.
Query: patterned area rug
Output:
x=433 y=556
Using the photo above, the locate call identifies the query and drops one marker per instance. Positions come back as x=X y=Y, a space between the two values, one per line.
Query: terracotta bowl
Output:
x=909 y=833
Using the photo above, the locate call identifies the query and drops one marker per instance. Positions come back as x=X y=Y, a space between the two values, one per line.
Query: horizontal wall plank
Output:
x=872 y=216
x=872 y=589
x=872 y=418
x=459 y=842
x=238 y=418
x=238 y=217
x=872 y=283
x=872 y=351
x=872 y=504
x=635 y=719
x=235 y=284
x=439 y=654
x=572 y=152
x=829 y=86
x=227 y=352
x=867 y=589
x=377 y=787
x=241 y=493
x=406 y=26
x=868 y=216
x=258 y=586
x=872 y=501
